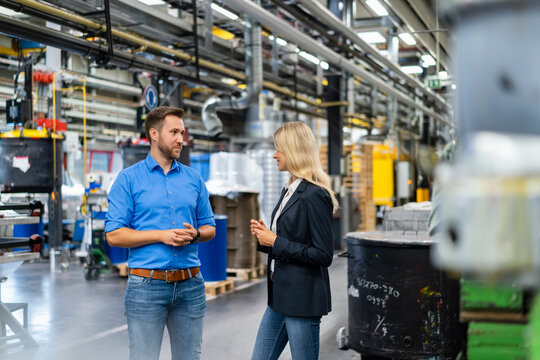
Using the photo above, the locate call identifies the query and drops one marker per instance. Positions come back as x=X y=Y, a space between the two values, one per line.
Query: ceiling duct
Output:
x=254 y=78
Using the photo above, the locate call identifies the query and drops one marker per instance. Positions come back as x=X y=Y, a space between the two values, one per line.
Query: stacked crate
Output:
x=363 y=181
x=358 y=179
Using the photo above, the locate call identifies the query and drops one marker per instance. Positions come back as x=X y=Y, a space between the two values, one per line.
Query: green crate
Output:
x=480 y=296
x=496 y=341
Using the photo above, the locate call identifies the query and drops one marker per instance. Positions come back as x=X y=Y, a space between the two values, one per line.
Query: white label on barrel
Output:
x=21 y=163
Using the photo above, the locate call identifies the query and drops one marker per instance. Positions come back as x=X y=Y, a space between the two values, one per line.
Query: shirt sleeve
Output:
x=120 y=200
x=204 y=213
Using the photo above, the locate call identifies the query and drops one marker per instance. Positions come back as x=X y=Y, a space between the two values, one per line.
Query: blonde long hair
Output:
x=296 y=141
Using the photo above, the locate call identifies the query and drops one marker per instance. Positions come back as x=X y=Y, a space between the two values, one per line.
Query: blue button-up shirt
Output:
x=144 y=198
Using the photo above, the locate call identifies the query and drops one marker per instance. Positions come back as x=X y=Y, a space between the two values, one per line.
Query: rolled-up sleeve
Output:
x=204 y=213
x=121 y=206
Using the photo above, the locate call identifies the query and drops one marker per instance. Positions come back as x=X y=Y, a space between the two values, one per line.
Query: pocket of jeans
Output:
x=198 y=278
x=135 y=281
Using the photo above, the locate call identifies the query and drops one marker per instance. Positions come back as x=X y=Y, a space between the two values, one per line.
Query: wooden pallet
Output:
x=123 y=269
x=247 y=274
x=214 y=288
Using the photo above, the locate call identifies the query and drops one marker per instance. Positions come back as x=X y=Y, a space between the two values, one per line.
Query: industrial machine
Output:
x=31 y=247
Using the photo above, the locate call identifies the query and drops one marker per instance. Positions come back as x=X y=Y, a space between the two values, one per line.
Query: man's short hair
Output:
x=154 y=119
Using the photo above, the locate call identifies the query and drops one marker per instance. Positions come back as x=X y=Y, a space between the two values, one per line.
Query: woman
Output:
x=300 y=249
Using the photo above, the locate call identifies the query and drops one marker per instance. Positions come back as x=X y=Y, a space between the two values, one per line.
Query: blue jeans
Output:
x=276 y=330
x=151 y=304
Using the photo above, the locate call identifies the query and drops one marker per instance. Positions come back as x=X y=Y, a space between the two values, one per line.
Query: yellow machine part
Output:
x=28 y=133
x=383 y=175
x=422 y=195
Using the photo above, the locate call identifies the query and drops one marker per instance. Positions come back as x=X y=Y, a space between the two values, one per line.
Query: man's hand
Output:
x=192 y=231
x=264 y=236
x=176 y=237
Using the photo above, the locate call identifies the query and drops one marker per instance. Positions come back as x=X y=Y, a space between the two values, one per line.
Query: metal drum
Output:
x=399 y=305
x=213 y=253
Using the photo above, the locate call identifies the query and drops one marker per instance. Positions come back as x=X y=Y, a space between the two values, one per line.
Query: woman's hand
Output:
x=264 y=236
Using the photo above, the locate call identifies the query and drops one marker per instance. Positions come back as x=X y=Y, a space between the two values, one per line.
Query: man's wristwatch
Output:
x=197 y=238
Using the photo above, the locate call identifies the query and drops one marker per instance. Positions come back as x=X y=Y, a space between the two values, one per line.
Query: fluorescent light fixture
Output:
x=427 y=60
x=372 y=37
x=8 y=12
x=228 y=81
x=153 y=2
x=309 y=57
x=412 y=69
x=407 y=39
x=443 y=74
x=325 y=65
x=224 y=11
x=376 y=6
x=281 y=42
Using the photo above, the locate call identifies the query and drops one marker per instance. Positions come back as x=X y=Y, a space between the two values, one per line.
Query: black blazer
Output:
x=303 y=251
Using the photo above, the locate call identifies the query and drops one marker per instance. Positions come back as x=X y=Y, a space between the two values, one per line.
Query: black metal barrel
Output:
x=400 y=306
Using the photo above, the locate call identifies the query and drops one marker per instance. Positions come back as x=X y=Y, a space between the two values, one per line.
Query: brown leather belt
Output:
x=167 y=275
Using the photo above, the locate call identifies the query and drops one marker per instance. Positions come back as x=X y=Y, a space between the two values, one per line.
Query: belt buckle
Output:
x=167 y=272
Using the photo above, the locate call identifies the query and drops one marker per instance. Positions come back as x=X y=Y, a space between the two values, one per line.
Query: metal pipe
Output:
x=254 y=75
x=156 y=46
x=324 y=15
x=310 y=44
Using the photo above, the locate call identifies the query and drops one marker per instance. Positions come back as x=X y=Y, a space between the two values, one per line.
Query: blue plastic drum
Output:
x=213 y=253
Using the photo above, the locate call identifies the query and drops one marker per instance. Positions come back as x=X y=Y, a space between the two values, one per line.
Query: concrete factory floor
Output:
x=72 y=318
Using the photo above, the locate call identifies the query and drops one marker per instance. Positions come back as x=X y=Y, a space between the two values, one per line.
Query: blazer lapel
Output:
x=283 y=192
x=295 y=196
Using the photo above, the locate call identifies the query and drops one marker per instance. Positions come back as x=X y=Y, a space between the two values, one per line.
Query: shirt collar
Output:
x=292 y=187
x=152 y=164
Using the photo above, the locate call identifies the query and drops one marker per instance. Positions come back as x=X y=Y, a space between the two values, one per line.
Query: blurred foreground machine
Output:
x=489 y=203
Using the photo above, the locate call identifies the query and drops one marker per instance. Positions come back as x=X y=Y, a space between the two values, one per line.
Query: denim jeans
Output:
x=151 y=304
x=276 y=330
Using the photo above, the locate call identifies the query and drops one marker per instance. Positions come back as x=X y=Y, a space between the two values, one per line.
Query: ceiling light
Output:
x=427 y=60
x=224 y=11
x=412 y=69
x=309 y=57
x=376 y=6
x=372 y=37
x=454 y=87
x=271 y=38
x=281 y=42
x=407 y=39
x=8 y=12
x=325 y=65
x=153 y=2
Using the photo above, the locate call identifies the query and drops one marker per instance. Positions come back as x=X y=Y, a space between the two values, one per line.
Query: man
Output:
x=160 y=209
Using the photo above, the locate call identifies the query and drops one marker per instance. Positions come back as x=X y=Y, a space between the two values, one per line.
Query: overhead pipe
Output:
x=254 y=75
x=71 y=17
x=313 y=46
x=328 y=18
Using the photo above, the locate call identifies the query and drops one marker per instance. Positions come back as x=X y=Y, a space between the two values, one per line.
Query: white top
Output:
x=290 y=190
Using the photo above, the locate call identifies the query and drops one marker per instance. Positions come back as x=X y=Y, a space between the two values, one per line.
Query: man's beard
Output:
x=168 y=152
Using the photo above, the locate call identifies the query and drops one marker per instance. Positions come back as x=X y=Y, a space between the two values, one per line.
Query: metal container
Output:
x=213 y=253
x=399 y=305
x=26 y=164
